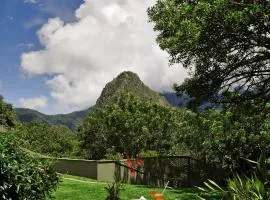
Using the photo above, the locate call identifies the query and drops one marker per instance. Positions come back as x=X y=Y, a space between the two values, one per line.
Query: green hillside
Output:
x=70 y=120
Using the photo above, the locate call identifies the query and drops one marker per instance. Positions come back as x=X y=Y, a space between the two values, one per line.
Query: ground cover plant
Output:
x=23 y=176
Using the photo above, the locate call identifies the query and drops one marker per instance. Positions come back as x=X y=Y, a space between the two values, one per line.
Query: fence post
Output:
x=189 y=172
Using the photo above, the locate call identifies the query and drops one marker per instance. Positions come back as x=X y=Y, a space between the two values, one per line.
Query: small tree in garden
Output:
x=23 y=176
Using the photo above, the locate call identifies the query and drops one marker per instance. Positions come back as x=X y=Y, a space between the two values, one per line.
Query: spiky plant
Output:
x=243 y=188
x=114 y=189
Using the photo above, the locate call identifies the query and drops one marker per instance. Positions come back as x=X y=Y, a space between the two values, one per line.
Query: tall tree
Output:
x=225 y=44
x=129 y=125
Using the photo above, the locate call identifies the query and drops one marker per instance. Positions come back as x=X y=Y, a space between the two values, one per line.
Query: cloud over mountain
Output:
x=108 y=37
x=34 y=103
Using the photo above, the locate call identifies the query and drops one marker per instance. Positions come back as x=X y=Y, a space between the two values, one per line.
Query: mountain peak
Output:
x=128 y=74
x=128 y=81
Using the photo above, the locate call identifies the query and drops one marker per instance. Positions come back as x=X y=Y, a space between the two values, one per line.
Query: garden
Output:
x=223 y=132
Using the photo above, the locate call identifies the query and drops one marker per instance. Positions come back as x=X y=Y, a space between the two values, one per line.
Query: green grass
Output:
x=77 y=188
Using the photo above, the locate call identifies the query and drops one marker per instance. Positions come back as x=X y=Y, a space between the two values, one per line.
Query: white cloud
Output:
x=108 y=37
x=30 y=1
x=34 y=103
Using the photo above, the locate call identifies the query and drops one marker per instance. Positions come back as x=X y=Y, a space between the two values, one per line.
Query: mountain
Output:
x=126 y=81
x=71 y=120
x=130 y=82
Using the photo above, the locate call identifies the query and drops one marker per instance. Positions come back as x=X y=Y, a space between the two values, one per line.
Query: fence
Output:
x=180 y=171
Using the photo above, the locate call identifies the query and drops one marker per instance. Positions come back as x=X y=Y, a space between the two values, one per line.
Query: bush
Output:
x=23 y=176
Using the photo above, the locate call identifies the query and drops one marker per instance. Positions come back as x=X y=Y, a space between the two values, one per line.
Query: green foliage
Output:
x=23 y=176
x=114 y=189
x=56 y=141
x=223 y=43
x=71 y=120
x=239 y=188
x=247 y=188
x=222 y=138
x=129 y=125
x=7 y=116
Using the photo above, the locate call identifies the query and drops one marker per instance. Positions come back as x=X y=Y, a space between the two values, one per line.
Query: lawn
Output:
x=77 y=188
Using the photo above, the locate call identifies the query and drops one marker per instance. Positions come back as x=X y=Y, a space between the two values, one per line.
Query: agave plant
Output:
x=247 y=188
x=243 y=188
x=114 y=189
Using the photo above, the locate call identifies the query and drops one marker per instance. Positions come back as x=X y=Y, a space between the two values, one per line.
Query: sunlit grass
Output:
x=77 y=188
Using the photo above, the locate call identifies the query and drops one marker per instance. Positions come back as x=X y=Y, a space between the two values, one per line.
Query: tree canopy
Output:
x=49 y=140
x=217 y=137
x=225 y=44
x=130 y=125
x=7 y=115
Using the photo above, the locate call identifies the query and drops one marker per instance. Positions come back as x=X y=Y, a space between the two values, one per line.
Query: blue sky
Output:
x=56 y=56
x=19 y=22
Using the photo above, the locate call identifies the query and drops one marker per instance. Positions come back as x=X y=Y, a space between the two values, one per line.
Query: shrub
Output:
x=23 y=176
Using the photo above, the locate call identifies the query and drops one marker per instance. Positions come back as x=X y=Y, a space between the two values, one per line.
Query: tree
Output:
x=48 y=140
x=7 y=115
x=225 y=44
x=222 y=138
x=130 y=125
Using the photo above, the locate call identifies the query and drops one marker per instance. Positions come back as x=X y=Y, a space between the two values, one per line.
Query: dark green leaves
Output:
x=23 y=176
x=224 y=43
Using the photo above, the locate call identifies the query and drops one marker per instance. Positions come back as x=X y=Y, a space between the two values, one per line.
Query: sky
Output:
x=57 y=55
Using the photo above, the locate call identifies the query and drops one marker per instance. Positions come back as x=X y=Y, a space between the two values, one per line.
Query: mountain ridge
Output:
x=125 y=82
